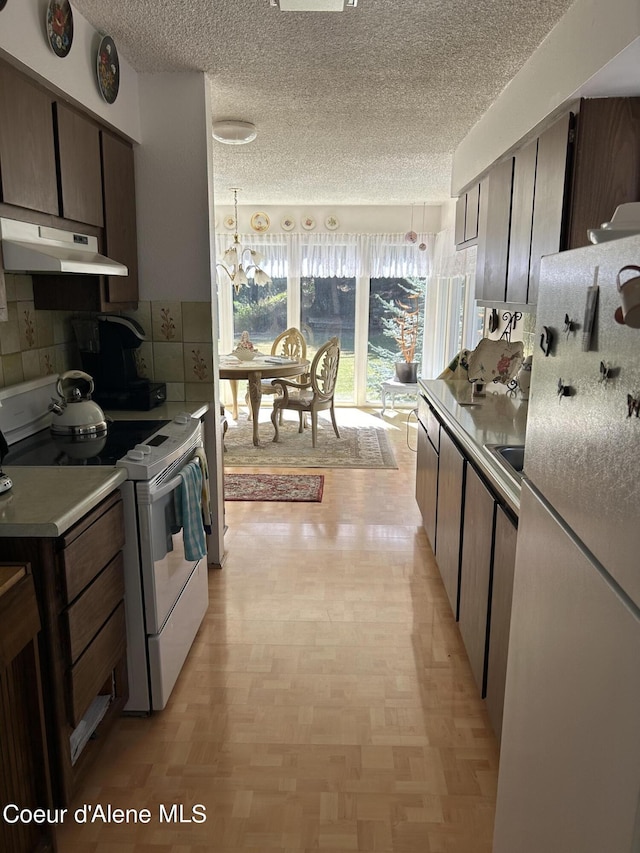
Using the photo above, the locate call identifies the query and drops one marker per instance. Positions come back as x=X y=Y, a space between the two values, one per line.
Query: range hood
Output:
x=28 y=248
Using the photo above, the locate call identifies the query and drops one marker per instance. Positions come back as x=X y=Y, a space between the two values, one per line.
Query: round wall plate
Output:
x=260 y=222
x=108 y=69
x=287 y=223
x=229 y=222
x=308 y=223
x=59 y=26
x=331 y=223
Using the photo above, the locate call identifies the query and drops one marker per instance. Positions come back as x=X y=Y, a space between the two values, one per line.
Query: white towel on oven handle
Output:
x=188 y=507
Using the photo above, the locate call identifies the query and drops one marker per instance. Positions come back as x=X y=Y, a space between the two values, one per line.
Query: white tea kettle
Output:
x=76 y=414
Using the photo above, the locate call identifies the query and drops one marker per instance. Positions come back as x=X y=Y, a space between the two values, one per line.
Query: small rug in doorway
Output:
x=274 y=487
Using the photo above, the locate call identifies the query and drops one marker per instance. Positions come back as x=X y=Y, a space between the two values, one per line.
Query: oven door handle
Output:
x=171 y=486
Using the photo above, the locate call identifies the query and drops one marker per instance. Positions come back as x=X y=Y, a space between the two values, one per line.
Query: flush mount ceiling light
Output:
x=314 y=5
x=234 y=131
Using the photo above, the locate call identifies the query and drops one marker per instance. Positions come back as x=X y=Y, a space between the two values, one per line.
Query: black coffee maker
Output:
x=108 y=345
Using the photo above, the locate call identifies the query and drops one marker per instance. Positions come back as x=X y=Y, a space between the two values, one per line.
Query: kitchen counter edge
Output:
x=451 y=400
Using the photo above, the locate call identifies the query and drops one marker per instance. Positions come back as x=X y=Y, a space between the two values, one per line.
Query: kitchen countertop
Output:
x=45 y=502
x=497 y=418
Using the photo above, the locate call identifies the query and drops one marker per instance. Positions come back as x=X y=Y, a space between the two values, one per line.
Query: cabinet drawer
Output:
x=90 y=546
x=91 y=609
x=19 y=619
x=429 y=421
x=89 y=673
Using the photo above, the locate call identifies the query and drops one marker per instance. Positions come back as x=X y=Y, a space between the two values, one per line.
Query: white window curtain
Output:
x=449 y=305
x=341 y=255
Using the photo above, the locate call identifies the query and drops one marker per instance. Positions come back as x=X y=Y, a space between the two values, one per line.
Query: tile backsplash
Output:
x=178 y=349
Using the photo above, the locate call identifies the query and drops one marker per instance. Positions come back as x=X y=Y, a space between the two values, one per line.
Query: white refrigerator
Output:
x=569 y=775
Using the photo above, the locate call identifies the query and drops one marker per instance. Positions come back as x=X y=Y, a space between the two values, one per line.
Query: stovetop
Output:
x=45 y=449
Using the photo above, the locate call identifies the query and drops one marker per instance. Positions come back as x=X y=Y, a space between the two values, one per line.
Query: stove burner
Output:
x=44 y=449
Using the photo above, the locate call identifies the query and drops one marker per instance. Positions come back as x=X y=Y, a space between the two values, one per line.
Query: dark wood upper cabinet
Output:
x=524 y=180
x=551 y=195
x=27 y=150
x=493 y=232
x=606 y=171
x=118 y=184
x=466 y=222
x=79 y=163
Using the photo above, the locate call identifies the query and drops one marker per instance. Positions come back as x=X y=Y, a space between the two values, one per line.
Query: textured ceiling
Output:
x=365 y=106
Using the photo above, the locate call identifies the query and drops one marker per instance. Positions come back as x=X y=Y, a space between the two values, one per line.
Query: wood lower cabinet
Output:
x=27 y=150
x=80 y=593
x=427 y=483
x=504 y=561
x=24 y=776
x=451 y=478
x=475 y=572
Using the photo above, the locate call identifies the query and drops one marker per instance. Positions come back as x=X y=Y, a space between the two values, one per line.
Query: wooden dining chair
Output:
x=312 y=395
x=288 y=344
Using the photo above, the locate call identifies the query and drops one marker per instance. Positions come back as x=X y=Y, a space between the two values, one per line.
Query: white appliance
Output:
x=569 y=775
x=166 y=595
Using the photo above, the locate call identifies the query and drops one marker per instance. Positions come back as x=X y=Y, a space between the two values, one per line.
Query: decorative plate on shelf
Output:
x=108 y=69
x=229 y=222
x=288 y=223
x=308 y=223
x=331 y=223
x=260 y=222
x=59 y=26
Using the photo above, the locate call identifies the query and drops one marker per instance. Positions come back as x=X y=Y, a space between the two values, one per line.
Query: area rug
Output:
x=274 y=487
x=357 y=447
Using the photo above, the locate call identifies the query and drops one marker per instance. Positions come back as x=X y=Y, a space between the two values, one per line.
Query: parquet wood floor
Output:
x=327 y=704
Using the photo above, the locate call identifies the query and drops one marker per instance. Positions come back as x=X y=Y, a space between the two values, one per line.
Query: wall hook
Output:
x=633 y=405
x=546 y=340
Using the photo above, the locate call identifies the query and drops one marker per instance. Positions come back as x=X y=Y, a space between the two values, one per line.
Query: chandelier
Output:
x=240 y=263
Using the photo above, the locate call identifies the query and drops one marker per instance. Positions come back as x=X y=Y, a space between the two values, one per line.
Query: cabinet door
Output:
x=472 y=210
x=549 y=199
x=27 y=150
x=427 y=483
x=475 y=572
x=120 y=217
x=450 y=495
x=524 y=177
x=504 y=559
x=461 y=212
x=493 y=233
x=80 y=170
x=607 y=163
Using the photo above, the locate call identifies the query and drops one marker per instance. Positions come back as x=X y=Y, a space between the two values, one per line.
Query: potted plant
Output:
x=407 y=328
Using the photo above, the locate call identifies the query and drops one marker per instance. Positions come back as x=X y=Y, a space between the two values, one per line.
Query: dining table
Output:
x=255 y=371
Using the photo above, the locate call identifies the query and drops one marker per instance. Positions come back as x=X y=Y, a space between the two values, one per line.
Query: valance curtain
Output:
x=341 y=255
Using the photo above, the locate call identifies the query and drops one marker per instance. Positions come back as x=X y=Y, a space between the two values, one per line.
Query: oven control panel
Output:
x=161 y=450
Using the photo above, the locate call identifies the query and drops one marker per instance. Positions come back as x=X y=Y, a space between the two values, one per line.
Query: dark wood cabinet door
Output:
x=549 y=203
x=461 y=212
x=27 y=149
x=472 y=209
x=475 y=572
x=524 y=177
x=80 y=169
x=427 y=484
x=504 y=561
x=121 y=242
x=607 y=164
x=493 y=232
x=450 y=495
